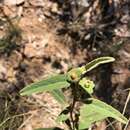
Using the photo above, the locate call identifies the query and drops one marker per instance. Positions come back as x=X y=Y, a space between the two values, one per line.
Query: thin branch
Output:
x=9 y=118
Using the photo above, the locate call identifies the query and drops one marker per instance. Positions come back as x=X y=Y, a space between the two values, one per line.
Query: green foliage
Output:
x=95 y=63
x=75 y=74
x=59 y=96
x=87 y=84
x=62 y=117
x=95 y=110
x=11 y=40
x=49 y=84
x=91 y=110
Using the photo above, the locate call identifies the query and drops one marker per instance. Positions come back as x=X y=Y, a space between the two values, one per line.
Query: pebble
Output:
x=13 y=2
x=3 y=71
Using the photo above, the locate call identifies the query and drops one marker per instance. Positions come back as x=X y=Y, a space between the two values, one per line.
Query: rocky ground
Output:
x=41 y=37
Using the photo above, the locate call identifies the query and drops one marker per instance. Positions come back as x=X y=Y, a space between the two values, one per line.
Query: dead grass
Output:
x=11 y=111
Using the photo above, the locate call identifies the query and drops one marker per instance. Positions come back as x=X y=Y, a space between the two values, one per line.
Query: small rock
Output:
x=54 y=8
x=15 y=59
x=7 y=73
x=37 y=3
x=11 y=75
x=30 y=51
x=3 y=71
x=9 y=12
x=13 y=2
x=36 y=48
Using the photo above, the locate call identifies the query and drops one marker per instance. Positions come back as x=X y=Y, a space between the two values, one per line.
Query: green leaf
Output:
x=62 y=117
x=49 y=84
x=95 y=63
x=75 y=74
x=59 y=96
x=87 y=85
x=95 y=110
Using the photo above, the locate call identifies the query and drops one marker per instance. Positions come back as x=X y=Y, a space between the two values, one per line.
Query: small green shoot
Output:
x=91 y=110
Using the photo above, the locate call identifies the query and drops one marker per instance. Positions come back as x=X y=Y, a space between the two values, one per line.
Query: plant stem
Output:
x=72 y=113
x=74 y=93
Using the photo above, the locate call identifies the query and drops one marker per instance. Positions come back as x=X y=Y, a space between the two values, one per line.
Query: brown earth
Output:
x=41 y=51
